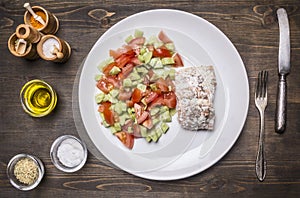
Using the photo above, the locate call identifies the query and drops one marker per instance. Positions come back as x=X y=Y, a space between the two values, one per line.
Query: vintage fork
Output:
x=261 y=100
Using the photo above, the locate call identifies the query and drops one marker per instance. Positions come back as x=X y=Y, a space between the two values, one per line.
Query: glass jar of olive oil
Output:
x=38 y=98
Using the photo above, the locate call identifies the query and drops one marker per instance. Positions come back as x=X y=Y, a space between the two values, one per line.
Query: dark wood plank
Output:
x=253 y=29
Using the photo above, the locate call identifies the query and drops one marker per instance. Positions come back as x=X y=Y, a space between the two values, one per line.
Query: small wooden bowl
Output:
x=63 y=48
x=52 y=23
x=30 y=52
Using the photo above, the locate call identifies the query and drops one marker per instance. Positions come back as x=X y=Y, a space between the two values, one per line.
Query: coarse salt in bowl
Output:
x=68 y=153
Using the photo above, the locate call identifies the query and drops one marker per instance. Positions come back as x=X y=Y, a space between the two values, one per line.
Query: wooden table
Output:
x=253 y=29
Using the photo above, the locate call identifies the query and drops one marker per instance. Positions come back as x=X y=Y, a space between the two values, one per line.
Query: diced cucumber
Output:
x=143 y=50
x=141 y=58
x=153 y=136
x=164 y=127
x=153 y=62
x=109 y=98
x=98 y=77
x=114 y=93
x=118 y=108
x=159 y=132
x=128 y=39
x=142 y=87
x=127 y=82
x=138 y=33
x=166 y=117
x=170 y=46
x=155 y=121
x=148 y=138
x=144 y=132
x=172 y=74
x=164 y=109
x=147 y=57
x=113 y=130
x=99 y=97
x=153 y=87
x=104 y=123
x=115 y=70
x=142 y=70
x=154 y=111
x=134 y=76
x=158 y=64
x=152 y=39
x=129 y=130
x=158 y=44
x=172 y=112
x=167 y=61
x=117 y=126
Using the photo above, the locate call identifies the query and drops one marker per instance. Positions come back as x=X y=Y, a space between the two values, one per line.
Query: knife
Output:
x=284 y=69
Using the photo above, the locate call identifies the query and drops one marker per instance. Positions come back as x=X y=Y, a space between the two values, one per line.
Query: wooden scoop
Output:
x=35 y=16
x=21 y=46
x=56 y=52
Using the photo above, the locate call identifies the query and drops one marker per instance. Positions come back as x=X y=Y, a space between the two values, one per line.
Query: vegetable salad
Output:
x=137 y=95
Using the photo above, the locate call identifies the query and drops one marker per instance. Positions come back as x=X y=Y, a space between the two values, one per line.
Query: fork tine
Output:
x=264 y=79
x=258 y=85
x=265 y=83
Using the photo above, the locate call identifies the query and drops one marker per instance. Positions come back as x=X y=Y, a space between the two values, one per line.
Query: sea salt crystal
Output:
x=48 y=47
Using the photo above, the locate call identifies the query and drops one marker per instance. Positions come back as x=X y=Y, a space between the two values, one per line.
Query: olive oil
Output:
x=38 y=98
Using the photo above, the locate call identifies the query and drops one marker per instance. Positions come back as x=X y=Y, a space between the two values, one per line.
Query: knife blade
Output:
x=283 y=69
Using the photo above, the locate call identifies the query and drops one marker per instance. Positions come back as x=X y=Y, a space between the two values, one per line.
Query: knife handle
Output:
x=280 y=120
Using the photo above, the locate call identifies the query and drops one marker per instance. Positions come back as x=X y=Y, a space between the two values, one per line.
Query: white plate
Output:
x=179 y=153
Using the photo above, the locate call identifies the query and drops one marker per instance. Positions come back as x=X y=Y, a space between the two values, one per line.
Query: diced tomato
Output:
x=150 y=97
x=104 y=85
x=163 y=37
x=138 y=110
x=170 y=99
x=126 y=138
x=156 y=102
x=116 y=53
x=125 y=71
x=109 y=116
x=148 y=123
x=161 y=52
x=127 y=124
x=162 y=85
x=137 y=41
x=170 y=84
x=177 y=60
x=103 y=106
x=135 y=61
x=108 y=67
x=142 y=117
x=129 y=103
x=150 y=73
x=113 y=80
x=123 y=95
x=125 y=58
x=136 y=95
x=150 y=48
x=136 y=131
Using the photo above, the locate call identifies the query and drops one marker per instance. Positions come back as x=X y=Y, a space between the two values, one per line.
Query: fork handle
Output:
x=261 y=165
x=280 y=119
